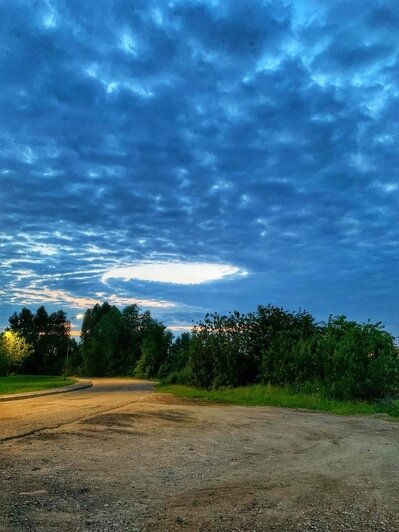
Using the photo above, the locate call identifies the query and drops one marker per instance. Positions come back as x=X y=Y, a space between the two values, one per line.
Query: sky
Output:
x=198 y=156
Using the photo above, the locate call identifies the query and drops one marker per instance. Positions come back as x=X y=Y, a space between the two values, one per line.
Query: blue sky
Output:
x=196 y=156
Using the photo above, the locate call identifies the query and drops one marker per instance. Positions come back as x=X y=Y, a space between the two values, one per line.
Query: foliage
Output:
x=14 y=350
x=113 y=342
x=101 y=349
x=359 y=360
x=75 y=360
x=155 y=348
x=47 y=334
x=230 y=350
x=341 y=359
x=178 y=376
x=177 y=357
x=222 y=351
x=123 y=343
x=3 y=359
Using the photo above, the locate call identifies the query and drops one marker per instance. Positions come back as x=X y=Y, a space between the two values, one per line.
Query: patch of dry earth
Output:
x=168 y=464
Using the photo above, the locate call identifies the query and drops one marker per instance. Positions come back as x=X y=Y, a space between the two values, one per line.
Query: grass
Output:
x=31 y=383
x=260 y=395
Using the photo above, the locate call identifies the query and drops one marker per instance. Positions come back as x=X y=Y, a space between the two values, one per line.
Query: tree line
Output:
x=340 y=358
x=35 y=343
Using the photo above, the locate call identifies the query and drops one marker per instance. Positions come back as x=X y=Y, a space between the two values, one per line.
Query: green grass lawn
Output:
x=31 y=383
x=259 y=395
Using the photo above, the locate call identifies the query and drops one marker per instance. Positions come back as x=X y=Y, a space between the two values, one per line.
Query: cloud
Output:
x=257 y=137
x=184 y=273
x=388 y=188
x=43 y=295
x=180 y=328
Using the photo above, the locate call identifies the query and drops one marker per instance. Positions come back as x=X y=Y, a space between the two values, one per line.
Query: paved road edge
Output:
x=80 y=385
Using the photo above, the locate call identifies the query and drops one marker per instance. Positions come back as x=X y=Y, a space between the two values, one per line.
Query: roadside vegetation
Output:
x=30 y=383
x=266 y=395
x=270 y=356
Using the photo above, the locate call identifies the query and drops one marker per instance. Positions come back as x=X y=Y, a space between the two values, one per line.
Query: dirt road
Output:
x=121 y=458
x=29 y=415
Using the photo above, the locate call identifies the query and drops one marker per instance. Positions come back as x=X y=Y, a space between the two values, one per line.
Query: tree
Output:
x=123 y=343
x=154 y=350
x=91 y=318
x=14 y=350
x=23 y=323
x=178 y=355
x=101 y=350
x=131 y=336
x=55 y=343
x=47 y=334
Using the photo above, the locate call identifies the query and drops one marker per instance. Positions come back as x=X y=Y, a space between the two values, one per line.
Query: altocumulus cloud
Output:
x=185 y=273
x=140 y=139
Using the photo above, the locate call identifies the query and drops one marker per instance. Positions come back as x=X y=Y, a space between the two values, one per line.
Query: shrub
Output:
x=340 y=359
x=182 y=376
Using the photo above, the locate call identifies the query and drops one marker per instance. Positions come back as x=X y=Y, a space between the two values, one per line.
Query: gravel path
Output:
x=144 y=461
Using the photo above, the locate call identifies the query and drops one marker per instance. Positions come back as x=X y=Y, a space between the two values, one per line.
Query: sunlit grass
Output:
x=260 y=395
x=31 y=383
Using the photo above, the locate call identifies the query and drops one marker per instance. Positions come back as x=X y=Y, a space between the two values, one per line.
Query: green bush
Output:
x=182 y=376
x=360 y=360
x=342 y=358
x=393 y=409
x=339 y=359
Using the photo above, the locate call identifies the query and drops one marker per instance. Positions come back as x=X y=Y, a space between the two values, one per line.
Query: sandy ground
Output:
x=127 y=459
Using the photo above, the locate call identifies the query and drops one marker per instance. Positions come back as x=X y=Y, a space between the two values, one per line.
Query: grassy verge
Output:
x=31 y=383
x=259 y=395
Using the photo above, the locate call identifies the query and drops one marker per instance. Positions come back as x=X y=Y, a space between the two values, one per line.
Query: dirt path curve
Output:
x=18 y=418
x=161 y=463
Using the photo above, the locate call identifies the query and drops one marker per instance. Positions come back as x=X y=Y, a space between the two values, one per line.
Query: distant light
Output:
x=184 y=273
x=79 y=316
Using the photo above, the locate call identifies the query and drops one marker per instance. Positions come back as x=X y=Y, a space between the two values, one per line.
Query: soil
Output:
x=163 y=463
